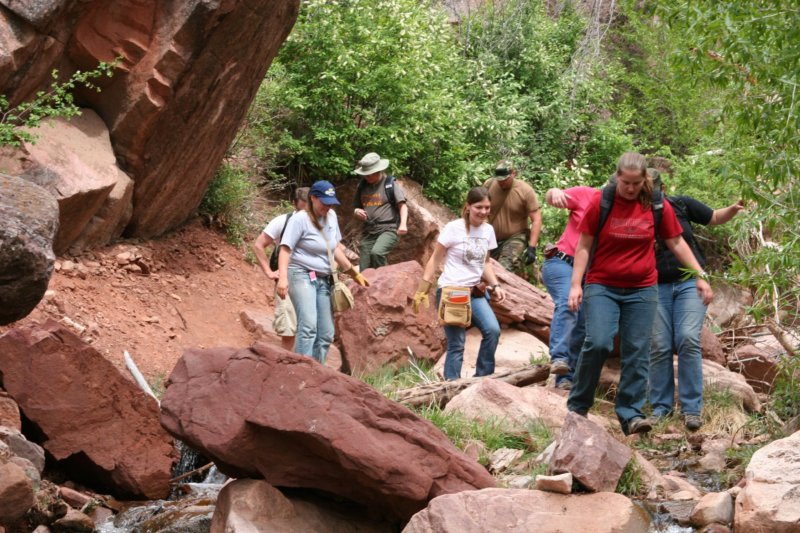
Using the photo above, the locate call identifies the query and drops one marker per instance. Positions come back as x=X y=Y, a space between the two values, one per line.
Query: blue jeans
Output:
x=483 y=318
x=612 y=310
x=312 y=304
x=676 y=329
x=567 y=328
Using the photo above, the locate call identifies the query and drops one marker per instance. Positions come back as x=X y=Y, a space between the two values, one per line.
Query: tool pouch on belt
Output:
x=455 y=306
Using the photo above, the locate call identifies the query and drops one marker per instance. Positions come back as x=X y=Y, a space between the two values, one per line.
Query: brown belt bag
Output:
x=455 y=306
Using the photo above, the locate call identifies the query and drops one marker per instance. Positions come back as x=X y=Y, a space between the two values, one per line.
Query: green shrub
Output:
x=631 y=483
x=227 y=203
x=785 y=397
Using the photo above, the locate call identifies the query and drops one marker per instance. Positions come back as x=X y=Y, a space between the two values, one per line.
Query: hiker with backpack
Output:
x=463 y=246
x=567 y=327
x=380 y=202
x=285 y=321
x=514 y=202
x=679 y=320
x=615 y=251
x=309 y=255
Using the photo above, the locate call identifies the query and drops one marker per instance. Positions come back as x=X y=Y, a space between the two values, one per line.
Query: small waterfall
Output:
x=190 y=460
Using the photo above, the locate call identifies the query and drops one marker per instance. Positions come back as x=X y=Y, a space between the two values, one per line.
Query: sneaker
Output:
x=639 y=425
x=565 y=384
x=692 y=422
x=559 y=367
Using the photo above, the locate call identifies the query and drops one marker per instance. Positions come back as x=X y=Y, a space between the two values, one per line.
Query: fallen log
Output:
x=440 y=393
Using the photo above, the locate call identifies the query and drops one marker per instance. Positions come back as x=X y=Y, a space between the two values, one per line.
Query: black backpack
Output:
x=388 y=188
x=607 y=202
x=273 y=259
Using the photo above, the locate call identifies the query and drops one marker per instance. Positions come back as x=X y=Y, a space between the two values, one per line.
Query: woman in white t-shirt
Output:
x=464 y=246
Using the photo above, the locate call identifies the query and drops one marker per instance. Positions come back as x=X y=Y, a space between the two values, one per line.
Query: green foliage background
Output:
x=708 y=88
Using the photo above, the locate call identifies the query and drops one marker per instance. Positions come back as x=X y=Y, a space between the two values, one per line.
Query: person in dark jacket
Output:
x=680 y=315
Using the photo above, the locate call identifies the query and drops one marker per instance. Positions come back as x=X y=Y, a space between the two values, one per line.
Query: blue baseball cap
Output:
x=325 y=191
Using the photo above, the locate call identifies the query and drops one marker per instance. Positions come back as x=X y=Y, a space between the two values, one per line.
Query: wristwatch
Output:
x=494 y=287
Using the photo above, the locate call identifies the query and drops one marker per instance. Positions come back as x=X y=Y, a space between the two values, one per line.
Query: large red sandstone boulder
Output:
x=29 y=217
x=525 y=307
x=189 y=71
x=382 y=325
x=526 y=511
x=266 y=412
x=99 y=426
x=72 y=159
x=769 y=501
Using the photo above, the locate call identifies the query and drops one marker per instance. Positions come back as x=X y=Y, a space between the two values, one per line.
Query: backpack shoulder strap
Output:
x=606 y=203
x=657 y=205
x=388 y=187
x=285 y=222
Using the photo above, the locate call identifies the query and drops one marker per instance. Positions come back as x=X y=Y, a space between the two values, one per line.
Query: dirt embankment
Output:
x=155 y=298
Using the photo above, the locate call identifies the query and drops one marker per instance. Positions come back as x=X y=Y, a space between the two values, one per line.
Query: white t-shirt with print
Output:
x=466 y=253
x=306 y=243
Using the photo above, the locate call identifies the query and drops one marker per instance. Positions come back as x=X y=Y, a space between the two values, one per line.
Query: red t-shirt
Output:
x=625 y=253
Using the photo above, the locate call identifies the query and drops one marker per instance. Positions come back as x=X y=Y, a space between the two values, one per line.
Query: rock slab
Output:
x=263 y=412
x=590 y=454
x=525 y=511
x=250 y=505
x=100 y=427
x=382 y=325
x=770 y=501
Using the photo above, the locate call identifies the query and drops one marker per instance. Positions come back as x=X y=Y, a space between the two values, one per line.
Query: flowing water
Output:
x=189 y=509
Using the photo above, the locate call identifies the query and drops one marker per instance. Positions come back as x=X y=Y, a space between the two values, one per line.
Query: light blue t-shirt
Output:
x=306 y=243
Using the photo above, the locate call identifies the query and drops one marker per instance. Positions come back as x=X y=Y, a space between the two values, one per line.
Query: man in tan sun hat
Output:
x=513 y=203
x=381 y=204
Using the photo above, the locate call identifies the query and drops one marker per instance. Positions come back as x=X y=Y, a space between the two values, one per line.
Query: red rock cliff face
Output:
x=189 y=71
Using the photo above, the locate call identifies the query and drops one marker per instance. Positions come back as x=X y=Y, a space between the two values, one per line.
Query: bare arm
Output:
x=402 y=229
x=536 y=227
x=684 y=254
x=259 y=249
x=721 y=216
x=578 y=270
x=433 y=264
x=341 y=259
x=557 y=198
x=489 y=275
x=282 y=288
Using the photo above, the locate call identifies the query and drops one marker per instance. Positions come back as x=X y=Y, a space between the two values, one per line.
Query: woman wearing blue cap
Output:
x=305 y=271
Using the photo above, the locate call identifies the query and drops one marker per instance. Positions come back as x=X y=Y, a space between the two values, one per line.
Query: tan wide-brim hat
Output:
x=370 y=164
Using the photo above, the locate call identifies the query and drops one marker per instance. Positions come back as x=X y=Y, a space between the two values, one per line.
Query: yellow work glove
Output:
x=421 y=296
x=357 y=277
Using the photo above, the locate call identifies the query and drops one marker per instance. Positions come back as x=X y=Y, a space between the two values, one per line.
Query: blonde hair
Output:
x=637 y=162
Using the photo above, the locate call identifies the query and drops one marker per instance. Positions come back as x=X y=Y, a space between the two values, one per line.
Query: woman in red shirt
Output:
x=621 y=293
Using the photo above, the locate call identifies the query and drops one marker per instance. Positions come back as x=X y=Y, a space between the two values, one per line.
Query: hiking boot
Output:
x=692 y=422
x=565 y=384
x=559 y=367
x=639 y=425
